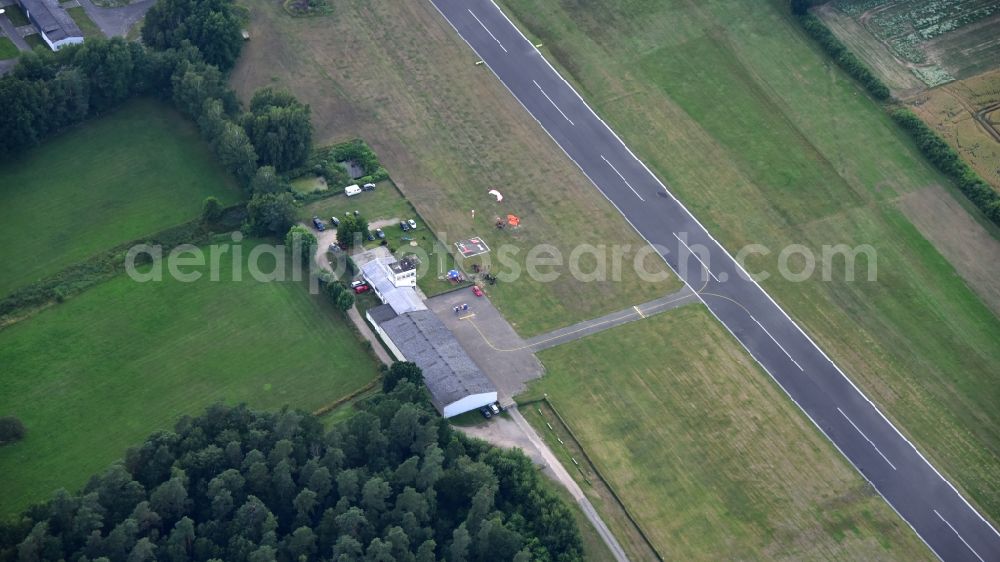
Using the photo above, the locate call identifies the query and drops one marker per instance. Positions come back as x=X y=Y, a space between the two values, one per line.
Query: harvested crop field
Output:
x=966 y=113
x=936 y=41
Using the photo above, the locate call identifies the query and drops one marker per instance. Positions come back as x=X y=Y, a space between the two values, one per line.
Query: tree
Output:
x=211 y=209
x=11 y=430
x=801 y=7
x=300 y=239
x=212 y=26
x=208 y=505
x=352 y=230
x=236 y=153
x=400 y=371
x=267 y=180
x=271 y=213
x=280 y=129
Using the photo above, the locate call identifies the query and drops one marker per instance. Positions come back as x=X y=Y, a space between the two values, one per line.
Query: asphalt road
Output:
x=595 y=325
x=922 y=496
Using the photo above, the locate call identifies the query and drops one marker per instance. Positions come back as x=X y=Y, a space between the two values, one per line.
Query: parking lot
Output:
x=490 y=340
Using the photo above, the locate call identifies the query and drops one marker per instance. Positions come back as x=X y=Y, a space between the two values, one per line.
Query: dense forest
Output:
x=392 y=483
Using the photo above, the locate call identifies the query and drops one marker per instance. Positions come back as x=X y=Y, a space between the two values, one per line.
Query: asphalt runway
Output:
x=922 y=496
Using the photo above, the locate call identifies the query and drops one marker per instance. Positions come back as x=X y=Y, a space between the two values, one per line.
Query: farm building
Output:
x=455 y=382
x=54 y=24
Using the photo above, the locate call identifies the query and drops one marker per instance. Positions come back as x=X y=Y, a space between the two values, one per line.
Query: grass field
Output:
x=396 y=74
x=110 y=180
x=16 y=15
x=87 y=25
x=707 y=453
x=7 y=48
x=768 y=143
x=35 y=40
x=99 y=372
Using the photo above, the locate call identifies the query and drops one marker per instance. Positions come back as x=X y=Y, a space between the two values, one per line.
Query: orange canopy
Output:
x=513 y=220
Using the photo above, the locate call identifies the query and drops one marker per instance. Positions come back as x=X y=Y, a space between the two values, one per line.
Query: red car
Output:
x=477 y=291
x=361 y=289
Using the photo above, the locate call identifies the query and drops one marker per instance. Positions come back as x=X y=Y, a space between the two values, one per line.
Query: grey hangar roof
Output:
x=450 y=374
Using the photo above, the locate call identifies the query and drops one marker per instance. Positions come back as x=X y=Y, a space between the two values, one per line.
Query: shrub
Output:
x=11 y=430
x=211 y=210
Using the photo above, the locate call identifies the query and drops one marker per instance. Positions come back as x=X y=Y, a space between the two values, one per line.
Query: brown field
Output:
x=951 y=110
x=967 y=244
x=934 y=41
x=896 y=75
x=395 y=74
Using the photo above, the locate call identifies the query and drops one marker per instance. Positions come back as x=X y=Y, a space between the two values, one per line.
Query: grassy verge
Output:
x=16 y=15
x=572 y=455
x=768 y=143
x=97 y=373
x=35 y=40
x=707 y=453
x=87 y=25
x=396 y=75
x=133 y=172
x=8 y=49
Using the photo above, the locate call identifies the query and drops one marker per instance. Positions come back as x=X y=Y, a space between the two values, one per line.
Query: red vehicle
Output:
x=361 y=289
x=477 y=291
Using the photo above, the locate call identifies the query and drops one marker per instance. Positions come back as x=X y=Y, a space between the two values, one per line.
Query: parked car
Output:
x=361 y=289
x=486 y=411
x=370 y=236
x=357 y=283
x=477 y=291
x=380 y=234
x=495 y=408
x=368 y=187
x=334 y=248
x=412 y=223
x=334 y=221
x=318 y=224
x=404 y=225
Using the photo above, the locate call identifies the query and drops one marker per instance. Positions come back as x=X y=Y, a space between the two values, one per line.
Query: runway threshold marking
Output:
x=488 y=30
x=858 y=429
x=623 y=178
x=959 y=536
x=690 y=251
x=553 y=104
x=776 y=342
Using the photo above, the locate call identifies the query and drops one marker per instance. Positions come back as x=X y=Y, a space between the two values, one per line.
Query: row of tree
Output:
x=947 y=160
x=840 y=54
x=393 y=483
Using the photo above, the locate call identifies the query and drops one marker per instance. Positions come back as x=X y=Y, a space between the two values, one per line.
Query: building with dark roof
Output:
x=54 y=24
x=456 y=384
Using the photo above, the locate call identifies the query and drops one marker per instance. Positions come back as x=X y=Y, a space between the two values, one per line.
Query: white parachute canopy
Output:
x=496 y=194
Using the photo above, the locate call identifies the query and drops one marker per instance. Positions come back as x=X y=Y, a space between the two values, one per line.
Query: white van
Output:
x=352 y=190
